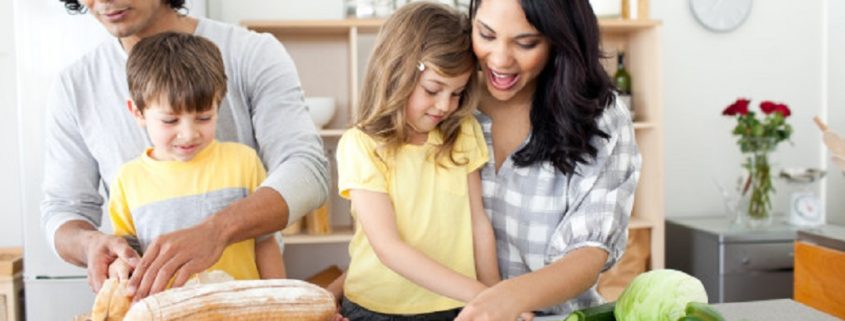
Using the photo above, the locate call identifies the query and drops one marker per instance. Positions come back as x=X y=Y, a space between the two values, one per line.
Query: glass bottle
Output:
x=622 y=80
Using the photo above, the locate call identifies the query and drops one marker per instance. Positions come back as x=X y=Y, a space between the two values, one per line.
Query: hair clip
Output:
x=421 y=66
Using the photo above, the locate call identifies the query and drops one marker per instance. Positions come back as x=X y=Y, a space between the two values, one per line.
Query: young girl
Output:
x=423 y=246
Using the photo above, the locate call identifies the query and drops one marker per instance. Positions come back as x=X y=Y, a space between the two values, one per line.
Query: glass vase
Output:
x=755 y=205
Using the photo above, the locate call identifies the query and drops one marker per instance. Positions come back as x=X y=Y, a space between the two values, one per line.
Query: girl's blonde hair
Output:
x=435 y=35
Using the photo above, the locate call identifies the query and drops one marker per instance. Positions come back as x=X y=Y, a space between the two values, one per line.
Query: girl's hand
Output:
x=492 y=305
x=526 y=316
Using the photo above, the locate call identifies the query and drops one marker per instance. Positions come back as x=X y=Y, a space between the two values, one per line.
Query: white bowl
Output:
x=321 y=109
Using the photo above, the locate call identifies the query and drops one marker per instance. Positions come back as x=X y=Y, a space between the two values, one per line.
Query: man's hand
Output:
x=81 y=244
x=102 y=252
x=182 y=254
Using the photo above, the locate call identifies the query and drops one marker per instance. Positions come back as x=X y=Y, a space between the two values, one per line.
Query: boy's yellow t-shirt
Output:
x=150 y=198
x=432 y=210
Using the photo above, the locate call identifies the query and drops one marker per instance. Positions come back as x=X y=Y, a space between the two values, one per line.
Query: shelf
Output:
x=639 y=223
x=342 y=26
x=339 y=132
x=626 y=25
x=314 y=27
x=344 y=234
x=644 y=125
x=332 y=132
x=340 y=235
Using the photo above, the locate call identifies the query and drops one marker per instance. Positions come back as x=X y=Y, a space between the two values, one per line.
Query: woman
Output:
x=564 y=166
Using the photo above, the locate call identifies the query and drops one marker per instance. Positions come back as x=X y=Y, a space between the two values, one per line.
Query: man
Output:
x=90 y=134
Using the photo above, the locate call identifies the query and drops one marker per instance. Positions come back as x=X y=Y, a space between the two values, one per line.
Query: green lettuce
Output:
x=658 y=295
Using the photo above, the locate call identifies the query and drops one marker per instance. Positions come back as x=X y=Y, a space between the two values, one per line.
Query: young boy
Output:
x=177 y=82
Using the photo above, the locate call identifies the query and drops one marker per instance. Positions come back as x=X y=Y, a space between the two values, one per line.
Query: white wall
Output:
x=235 y=11
x=10 y=196
x=836 y=105
x=775 y=55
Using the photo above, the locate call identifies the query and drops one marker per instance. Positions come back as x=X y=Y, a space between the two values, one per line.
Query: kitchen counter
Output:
x=819 y=267
x=830 y=236
x=769 y=310
x=722 y=228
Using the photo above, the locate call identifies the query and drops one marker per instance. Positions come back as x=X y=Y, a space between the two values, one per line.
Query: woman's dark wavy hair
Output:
x=73 y=6
x=572 y=90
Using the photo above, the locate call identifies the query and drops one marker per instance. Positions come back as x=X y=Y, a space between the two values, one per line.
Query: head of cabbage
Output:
x=658 y=295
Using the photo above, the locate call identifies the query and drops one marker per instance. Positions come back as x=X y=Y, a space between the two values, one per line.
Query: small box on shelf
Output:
x=319 y=221
x=11 y=261
x=11 y=284
x=326 y=276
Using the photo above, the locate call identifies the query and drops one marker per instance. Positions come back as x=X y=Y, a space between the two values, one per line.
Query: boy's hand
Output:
x=179 y=254
x=101 y=252
x=120 y=269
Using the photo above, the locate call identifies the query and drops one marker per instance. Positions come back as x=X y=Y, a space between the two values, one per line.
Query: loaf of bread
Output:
x=100 y=310
x=111 y=302
x=120 y=302
x=255 y=300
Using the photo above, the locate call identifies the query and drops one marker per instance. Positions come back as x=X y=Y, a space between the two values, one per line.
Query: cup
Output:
x=607 y=8
x=321 y=110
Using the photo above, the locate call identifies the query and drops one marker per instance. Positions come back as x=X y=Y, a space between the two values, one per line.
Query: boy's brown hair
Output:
x=432 y=34
x=180 y=69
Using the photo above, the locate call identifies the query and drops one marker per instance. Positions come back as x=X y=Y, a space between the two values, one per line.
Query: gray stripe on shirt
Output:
x=155 y=219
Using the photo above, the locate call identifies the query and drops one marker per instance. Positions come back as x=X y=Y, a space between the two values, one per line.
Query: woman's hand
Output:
x=493 y=304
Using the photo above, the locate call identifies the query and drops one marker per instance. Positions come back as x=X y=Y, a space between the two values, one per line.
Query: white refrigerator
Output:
x=47 y=39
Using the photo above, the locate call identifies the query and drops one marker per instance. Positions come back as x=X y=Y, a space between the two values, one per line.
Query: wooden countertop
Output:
x=830 y=236
x=769 y=310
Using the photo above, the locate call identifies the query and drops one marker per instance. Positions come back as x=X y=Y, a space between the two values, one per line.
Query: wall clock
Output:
x=720 y=15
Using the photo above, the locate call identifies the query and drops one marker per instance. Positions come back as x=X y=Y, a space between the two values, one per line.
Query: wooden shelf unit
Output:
x=331 y=56
x=338 y=235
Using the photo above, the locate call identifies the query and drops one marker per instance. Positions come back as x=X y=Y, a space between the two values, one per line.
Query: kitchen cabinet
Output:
x=331 y=57
x=819 y=269
x=733 y=262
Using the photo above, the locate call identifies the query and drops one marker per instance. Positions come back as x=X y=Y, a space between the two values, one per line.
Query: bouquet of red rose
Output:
x=757 y=137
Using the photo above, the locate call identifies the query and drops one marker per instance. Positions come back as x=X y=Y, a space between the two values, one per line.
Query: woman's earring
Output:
x=421 y=66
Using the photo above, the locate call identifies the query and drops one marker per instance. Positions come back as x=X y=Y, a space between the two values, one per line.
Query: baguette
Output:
x=255 y=300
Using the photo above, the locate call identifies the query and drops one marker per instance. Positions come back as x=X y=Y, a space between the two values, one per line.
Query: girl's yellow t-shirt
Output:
x=431 y=203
